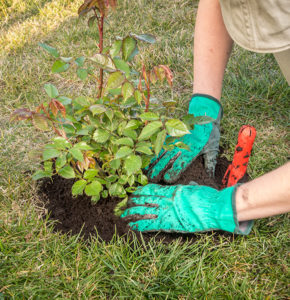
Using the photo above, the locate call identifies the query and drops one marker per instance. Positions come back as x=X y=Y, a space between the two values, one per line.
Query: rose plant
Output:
x=106 y=142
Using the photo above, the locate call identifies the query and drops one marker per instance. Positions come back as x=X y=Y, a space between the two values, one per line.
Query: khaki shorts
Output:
x=260 y=26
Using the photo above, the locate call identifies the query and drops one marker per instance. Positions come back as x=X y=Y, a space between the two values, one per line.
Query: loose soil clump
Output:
x=77 y=215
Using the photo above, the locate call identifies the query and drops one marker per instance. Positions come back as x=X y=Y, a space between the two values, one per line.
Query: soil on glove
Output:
x=76 y=215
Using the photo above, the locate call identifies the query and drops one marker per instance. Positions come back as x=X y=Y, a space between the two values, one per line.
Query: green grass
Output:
x=37 y=263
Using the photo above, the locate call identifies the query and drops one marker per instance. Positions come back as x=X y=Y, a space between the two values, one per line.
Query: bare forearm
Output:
x=265 y=196
x=212 y=47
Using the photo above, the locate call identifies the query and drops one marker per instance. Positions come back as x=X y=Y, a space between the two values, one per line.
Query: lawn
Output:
x=37 y=263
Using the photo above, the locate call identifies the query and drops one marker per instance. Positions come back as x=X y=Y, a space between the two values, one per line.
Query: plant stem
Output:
x=101 y=46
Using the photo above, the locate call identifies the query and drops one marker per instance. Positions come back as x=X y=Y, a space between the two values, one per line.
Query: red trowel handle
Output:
x=237 y=169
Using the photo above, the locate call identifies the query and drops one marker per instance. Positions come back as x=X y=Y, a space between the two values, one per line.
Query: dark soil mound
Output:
x=75 y=215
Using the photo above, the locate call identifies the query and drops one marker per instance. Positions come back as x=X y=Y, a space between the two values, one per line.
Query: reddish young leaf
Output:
x=153 y=77
x=80 y=166
x=83 y=9
x=21 y=114
x=42 y=108
x=112 y=3
x=168 y=74
x=53 y=108
x=60 y=107
x=145 y=76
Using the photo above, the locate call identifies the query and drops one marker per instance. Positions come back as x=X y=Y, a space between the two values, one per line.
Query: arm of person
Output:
x=212 y=48
x=264 y=196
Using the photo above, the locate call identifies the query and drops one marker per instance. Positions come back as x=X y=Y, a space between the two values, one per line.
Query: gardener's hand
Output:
x=203 y=139
x=184 y=208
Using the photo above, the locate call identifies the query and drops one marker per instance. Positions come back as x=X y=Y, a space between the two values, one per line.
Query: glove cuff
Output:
x=205 y=105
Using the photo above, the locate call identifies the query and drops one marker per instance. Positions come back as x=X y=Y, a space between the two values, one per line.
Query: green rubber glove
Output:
x=203 y=140
x=185 y=209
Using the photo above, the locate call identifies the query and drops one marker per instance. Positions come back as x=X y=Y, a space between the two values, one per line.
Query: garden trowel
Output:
x=237 y=169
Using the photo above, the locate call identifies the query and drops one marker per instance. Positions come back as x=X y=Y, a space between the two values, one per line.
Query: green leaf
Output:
x=68 y=128
x=169 y=140
x=130 y=133
x=127 y=90
x=128 y=46
x=115 y=48
x=115 y=92
x=90 y=174
x=105 y=194
x=145 y=150
x=144 y=144
x=138 y=96
x=149 y=130
x=51 y=90
x=160 y=139
x=115 y=164
x=168 y=147
x=149 y=116
x=61 y=143
x=116 y=190
x=82 y=73
x=182 y=145
x=41 y=174
x=121 y=127
x=118 y=210
x=110 y=114
x=67 y=172
x=132 y=164
x=170 y=103
x=122 y=66
x=148 y=38
x=133 y=124
x=146 y=160
x=112 y=178
x=47 y=166
x=188 y=120
x=101 y=135
x=94 y=188
x=142 y=179
x=77 y=154
x=66 y=59
x=40 y=122
x=123 y=179
x=115 y=80
x=131 y=180
x=80 y=61
x=50 y=153
x=78 y=187
x=95 y=198
x=123 y=152
x=125 y=141
x=133 y=54
x=60 y=161
x=64 y=100
x=82 y=146
x=82 y=101
x=83 y=131
x=131 y=189
x=49 y=49
x=176 y=128
x=97 y=109
x=59 y=66
x=104 y=61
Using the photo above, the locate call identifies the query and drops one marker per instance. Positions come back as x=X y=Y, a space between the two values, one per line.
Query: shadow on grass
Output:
x=21 y=17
